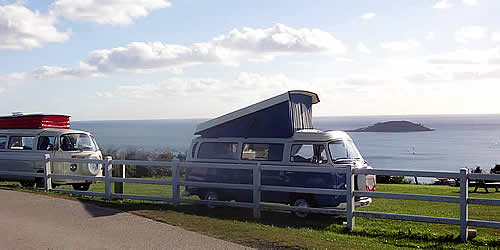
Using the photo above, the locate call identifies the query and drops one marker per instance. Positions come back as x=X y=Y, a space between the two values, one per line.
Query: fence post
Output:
x=464 y=209
x=349 y=177
x=119 y=186
x=256 y=190
x=46 y=173
x=175 y=184
x=108 y=172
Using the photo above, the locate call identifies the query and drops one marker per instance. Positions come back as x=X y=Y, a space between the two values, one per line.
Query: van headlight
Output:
x=94 y=168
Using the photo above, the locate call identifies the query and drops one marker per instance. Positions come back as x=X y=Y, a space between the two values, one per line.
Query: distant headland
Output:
x=393 y=126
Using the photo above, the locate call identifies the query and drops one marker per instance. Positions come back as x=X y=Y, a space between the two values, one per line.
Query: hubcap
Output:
x=211 y=197
x=302 y=204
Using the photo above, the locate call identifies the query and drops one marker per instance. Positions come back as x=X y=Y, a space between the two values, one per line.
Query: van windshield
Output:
x=72 y=142
x=343 y=150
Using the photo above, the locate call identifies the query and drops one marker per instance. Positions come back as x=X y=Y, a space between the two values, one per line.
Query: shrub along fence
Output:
x=107 y=164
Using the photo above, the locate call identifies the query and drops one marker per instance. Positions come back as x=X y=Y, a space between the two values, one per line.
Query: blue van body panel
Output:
x=278 y=121
x=269 y=178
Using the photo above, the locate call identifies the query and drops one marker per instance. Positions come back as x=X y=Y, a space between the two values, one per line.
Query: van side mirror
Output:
x=50 y=147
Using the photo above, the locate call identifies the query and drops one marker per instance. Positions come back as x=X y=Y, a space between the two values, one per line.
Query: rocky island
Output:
x=393 y=126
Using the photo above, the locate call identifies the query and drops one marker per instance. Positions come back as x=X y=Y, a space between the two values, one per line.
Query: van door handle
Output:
x=289 y=172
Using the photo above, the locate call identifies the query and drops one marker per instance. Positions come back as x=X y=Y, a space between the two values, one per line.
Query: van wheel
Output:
x=81 y=187
x=211 y=196
x=302 y=202
x=27 y=184
x=40 y=182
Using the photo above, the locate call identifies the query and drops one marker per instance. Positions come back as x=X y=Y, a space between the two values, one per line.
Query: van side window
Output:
x=21 y=142
x=311 y=153
x=262 y=151
x=218 y=150
x=46 y=143
x=3 y=142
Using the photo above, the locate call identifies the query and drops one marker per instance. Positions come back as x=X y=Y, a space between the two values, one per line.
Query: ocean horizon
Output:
x=458 y=140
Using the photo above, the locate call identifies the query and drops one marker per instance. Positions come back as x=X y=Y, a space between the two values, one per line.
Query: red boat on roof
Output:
x=33 y=121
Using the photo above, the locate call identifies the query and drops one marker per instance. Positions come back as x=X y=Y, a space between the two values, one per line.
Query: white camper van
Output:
x=33 y=136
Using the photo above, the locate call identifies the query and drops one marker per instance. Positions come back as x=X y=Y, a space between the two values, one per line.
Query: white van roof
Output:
x=45 y=131
x=305 y=135
x=317 y=135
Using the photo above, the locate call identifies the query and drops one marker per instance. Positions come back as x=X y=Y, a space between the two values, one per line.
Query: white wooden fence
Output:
x=464 y=222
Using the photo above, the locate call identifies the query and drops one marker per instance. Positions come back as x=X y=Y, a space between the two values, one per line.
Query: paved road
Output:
x=31 y=221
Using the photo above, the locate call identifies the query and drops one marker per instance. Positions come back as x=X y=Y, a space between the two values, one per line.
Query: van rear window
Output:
x=218 y=150
x=262 y=151
x=21 y=142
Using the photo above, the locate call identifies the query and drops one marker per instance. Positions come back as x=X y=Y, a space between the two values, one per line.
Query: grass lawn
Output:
x=281 y=230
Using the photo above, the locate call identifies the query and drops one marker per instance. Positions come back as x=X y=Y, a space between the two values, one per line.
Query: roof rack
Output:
x=19 y=120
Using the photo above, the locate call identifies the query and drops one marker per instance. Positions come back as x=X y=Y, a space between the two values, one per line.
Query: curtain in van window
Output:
x=301 y=111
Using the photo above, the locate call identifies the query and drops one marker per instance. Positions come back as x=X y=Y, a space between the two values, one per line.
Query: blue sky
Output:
x=159 y=59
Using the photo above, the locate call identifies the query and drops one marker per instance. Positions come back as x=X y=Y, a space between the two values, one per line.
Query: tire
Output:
x=301 y=201
x=81 y=186
x=211 y=196
x=27 y=184
x=40 y=183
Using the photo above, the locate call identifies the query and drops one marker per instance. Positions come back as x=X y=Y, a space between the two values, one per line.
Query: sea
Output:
x=458 y=141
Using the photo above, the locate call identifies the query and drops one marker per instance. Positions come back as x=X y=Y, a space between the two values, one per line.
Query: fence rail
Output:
x=463 y=176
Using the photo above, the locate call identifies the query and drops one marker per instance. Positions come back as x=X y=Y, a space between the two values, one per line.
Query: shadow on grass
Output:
x=286 y=220
x=272 y=218
x=99 y=211
x=9 y=186
x=276 y=219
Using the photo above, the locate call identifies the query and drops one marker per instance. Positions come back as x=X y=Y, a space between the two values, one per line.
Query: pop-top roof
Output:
x=34 y=121
x=276 y=117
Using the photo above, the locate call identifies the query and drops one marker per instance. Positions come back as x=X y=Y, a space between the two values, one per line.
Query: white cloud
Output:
x=248 y=83
x=463 y=56
x=104 y=94
x=400 y=45
x=442 y=4
x=470 y=33
x=363 y=49
x=495 y=36
x=368 y=15
x=170 y=87
x=232 y=49
x=21 y=28
x=344 y=60
x=458 y=65
x=118 y=12
x=470 y=2
x=279 y=39
x=429 y=36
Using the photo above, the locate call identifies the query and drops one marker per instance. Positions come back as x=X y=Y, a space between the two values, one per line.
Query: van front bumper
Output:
x=362 y=202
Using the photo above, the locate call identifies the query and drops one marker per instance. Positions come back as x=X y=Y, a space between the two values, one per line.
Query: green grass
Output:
x=280 y=230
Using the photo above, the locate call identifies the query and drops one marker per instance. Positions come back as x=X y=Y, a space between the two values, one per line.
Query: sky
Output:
x=166 y=59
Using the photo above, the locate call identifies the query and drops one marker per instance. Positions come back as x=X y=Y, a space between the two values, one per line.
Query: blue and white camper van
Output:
x=277 y=131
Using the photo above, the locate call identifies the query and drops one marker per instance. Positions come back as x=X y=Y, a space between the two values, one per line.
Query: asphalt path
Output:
x=33 y=221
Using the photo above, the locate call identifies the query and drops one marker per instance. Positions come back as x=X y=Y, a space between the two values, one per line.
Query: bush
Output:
x=139 y=154
x=386 y=179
